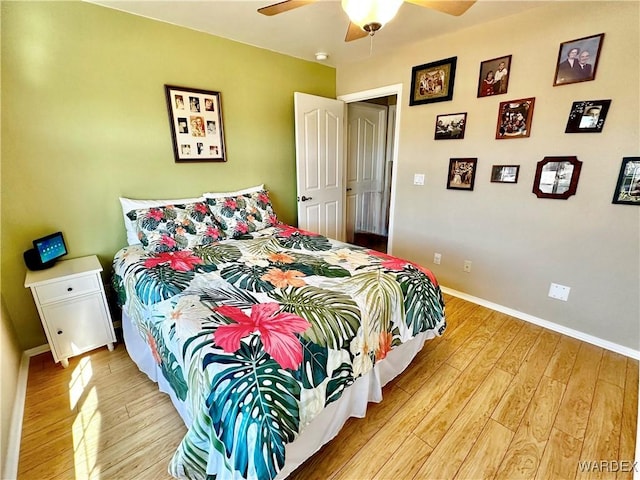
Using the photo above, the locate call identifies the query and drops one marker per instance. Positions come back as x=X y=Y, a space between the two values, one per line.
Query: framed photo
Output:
x=557 y=177
x=628 y=186
x=494 y=76
x=433 y=82
x=462 y=173
x=450 y=126
x=587 y=116
x=505 y=173
x=578 y=60
x=195 y=117
x=514 y=118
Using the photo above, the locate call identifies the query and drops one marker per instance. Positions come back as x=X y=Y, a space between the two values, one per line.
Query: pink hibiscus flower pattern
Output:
x=182 y=260
x=276 y=331
x=286 y=231
x=155 y=213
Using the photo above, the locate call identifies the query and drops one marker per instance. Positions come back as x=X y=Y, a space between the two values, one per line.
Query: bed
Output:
x=267 y=338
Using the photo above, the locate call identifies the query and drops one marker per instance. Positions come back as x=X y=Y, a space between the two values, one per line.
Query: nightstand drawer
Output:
x=68 y=288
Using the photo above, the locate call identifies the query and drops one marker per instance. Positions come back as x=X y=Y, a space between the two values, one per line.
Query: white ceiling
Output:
x=319 y=27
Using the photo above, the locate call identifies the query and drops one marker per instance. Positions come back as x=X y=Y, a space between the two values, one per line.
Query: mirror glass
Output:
x=556 y=177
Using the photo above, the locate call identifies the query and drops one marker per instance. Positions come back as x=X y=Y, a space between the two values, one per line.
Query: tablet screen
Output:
x=50 y=247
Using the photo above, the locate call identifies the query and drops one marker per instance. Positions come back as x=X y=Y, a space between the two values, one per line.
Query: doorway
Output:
x=369 y=166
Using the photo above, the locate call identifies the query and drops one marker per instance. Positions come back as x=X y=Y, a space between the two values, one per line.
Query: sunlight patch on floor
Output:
x=87 y=424
x=80 y=378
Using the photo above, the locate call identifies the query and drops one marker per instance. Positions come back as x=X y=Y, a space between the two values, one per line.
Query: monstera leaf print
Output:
x=334 y=317
x=262 y=246
x=341 y=378
x=381 y=292
x=171 y=369
x=118 y=287
x=247 y=277
x=217 y=254
x=299 y=241
x=423 y=302
x=312 y=265
x=254 y=408
x=314 y=365
x=199 y=211
x=161 y=282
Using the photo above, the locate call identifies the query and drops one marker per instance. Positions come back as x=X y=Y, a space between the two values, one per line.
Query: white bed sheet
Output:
x=323 y=428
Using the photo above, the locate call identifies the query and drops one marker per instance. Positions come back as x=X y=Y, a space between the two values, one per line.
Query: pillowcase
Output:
x=175 y=227
x=257 y=188
x=129 y=204
x=241 y=214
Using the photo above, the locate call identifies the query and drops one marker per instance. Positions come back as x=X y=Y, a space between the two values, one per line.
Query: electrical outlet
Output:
x=559 y=292
x=437 y=258
x=418 y=179
x=467 y=266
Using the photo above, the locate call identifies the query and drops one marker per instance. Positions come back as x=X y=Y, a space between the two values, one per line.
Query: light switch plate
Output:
x=418 y=179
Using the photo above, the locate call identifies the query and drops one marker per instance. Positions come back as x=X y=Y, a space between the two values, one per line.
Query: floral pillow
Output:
x=175 y=227
x=241 y=214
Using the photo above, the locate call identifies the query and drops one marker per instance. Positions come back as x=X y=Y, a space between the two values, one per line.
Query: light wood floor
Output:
x=495 y=397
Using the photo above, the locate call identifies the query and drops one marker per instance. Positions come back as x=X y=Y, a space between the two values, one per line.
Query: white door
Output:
x=366 y=144
x=319 y=131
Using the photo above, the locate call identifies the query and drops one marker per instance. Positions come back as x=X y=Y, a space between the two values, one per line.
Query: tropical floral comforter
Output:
x=257 y=335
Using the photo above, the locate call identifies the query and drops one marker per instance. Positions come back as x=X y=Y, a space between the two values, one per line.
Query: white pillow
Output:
x=257 y=188
x=129 y=204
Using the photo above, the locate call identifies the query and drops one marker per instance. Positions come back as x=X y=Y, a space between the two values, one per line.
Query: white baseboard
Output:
x=10 y=470
x=32 y=352
x=599 y=342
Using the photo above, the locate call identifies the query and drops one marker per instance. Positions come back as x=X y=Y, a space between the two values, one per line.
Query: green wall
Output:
x=84 y=121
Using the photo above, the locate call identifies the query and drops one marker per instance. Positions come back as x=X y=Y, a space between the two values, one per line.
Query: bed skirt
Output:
x=323 y=428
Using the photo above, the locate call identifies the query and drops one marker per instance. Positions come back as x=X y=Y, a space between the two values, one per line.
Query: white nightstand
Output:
x=72 y=306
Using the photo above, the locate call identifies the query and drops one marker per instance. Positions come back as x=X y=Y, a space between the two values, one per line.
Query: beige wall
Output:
x=518 y=243
x=84 y=121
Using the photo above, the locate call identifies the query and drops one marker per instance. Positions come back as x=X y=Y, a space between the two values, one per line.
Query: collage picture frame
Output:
x=195 y=117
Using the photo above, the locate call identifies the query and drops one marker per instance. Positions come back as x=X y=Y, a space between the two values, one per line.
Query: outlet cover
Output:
x=418 y=179
x=559 y=292
x=437 y=258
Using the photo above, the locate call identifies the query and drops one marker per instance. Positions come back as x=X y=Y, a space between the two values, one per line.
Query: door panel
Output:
x=366 y=130
x=319 y=126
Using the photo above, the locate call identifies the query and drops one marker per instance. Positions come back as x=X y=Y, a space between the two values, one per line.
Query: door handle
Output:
x=304 y=199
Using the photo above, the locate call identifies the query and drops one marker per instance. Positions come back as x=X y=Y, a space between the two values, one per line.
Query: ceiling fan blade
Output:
x=282 y=7
x=452 y=7
x=354 y=32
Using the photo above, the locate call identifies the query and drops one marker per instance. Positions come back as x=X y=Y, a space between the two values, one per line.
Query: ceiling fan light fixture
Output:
x=371 y=15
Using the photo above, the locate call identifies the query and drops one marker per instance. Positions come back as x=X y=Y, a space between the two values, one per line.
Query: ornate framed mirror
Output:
x=557 y=177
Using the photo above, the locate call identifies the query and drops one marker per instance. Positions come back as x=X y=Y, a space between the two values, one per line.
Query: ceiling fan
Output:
x=368 y=16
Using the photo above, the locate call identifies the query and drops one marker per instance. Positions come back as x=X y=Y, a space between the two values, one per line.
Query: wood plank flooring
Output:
x=495 y=397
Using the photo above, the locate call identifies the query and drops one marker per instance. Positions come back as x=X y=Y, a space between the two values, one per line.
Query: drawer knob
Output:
x=70 y=289
x=59 y=332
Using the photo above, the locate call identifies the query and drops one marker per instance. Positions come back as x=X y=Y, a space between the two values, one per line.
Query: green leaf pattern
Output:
x=244 y=407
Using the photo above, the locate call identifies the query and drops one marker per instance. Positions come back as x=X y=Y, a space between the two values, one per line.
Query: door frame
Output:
x=395 y=89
